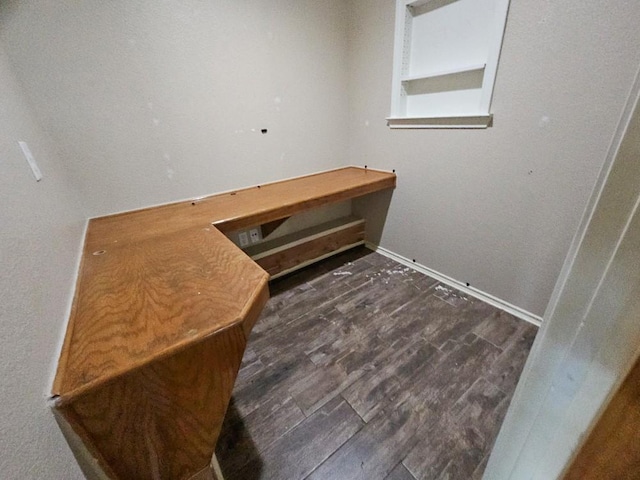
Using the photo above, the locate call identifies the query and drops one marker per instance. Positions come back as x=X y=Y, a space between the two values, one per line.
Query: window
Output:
x=445 y=62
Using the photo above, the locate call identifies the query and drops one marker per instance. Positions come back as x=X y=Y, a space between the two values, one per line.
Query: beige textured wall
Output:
x=156 y=101
x=41 y=227
x=498 y=208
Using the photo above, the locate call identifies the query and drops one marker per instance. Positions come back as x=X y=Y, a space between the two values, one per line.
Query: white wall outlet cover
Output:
x=243 y=239
x=32 y=162
x=254 y=233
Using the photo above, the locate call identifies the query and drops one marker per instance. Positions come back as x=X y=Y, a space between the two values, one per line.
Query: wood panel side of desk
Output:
x=162 y=420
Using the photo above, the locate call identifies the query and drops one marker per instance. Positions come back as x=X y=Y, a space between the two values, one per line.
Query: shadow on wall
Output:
x=374 y=209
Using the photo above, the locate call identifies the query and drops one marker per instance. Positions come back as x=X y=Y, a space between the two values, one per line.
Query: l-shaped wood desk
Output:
x=163 y=307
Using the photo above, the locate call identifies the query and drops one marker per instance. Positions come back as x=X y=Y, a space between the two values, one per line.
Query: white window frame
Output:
x=479 y=117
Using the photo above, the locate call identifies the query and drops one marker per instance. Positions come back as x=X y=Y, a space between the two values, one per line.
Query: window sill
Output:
x=459 y=121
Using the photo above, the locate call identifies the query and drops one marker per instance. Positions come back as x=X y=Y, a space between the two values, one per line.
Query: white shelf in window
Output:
x=445 y=62
x=454 y=121
x=444 y=73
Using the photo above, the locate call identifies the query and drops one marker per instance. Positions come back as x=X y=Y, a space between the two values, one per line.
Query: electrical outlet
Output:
x=244 y=239
x=254 y=233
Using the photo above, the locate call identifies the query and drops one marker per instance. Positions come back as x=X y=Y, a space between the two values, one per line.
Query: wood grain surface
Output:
x=314 y=248
x=162 y=421
x=140 y=301
x=242 y=208
x=612 y=449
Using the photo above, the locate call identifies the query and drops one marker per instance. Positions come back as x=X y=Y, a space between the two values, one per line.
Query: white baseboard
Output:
x=474 y=292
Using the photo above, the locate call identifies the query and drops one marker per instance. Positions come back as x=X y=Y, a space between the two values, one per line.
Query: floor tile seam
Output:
x=246 y=380
x=333 y=299
x=448 y=410
x=339 y=446
x=364 y=422
x=520 y=333
x=413 y=443
x=290 y=429
x=409 y=344
x=410 y=451
x=387 y=410
x=416 y=477
x=486 y=368
x=504 y=354
x=309 y=291
x=414 y=300
x=412 y=377
x=377 y=406
x=445 y=354
x=391 y=313
x=502 y=390
x=327 y=398
x=310 y=353
x=281 y=384
x=263 y=448
x=493 y=384
x=502 y=349
x=458 y=400
x=345 y=353
x=280 y=328
x=392 y=376
x=396 y=466
x=317 y=466
x=456 y=418
x=444 y=469
x=392 y=403
x=282 y=399
x=331 y=363
x=480 y=464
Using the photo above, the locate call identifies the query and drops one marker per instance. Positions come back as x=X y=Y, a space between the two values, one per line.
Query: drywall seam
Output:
x=469 y=290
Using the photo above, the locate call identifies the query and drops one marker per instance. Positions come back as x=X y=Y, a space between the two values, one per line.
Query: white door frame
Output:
x=590 y=336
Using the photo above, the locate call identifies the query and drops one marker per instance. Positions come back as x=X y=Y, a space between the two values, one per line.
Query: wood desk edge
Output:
x=389 y=176
x=256 y=301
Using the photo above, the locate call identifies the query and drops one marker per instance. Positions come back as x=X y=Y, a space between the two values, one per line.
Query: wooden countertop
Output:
x=153 y=281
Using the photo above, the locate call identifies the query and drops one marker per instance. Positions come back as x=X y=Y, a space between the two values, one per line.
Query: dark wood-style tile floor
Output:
x=361 y=368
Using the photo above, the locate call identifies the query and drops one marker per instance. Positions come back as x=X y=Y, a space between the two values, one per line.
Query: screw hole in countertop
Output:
x=99 y=252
